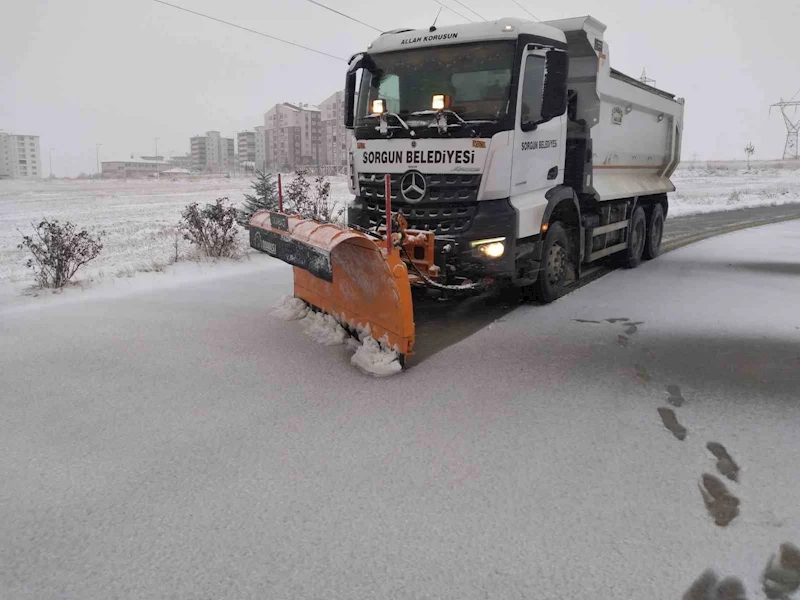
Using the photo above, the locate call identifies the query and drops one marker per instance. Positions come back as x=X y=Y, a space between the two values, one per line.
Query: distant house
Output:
x=175 y=173
x=132 y=168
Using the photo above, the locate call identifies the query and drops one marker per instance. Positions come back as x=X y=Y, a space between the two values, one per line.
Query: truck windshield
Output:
x=477 y=77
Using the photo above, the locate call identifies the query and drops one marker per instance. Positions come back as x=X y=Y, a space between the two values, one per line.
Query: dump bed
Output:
x=633 y=129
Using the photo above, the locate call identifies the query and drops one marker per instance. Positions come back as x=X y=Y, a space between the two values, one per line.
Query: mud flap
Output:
x=343 y=273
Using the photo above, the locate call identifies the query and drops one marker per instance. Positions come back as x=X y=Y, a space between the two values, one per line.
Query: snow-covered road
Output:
x=176 y=441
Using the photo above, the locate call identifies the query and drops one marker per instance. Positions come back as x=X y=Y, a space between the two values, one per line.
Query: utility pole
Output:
x=645 y=80
x=97 y=151
x=51 y=163
x=791 y=149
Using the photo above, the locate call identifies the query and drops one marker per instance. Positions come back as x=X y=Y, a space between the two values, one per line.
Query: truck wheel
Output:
x=555 y=264
x=637 y=236
x=655 y=230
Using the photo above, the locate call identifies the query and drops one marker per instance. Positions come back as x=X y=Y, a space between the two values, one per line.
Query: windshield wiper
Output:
x=384 y=126
x=440 y=119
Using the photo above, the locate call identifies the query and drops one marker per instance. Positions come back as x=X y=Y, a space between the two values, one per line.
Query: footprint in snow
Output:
x=622 y=340
x=675 y=397
x=585 y=321
x=631 y=329
x=617 y=319
x=720 y=503
x=709 y=587
x=781 y=580
x=725 y=464
x=671 y=422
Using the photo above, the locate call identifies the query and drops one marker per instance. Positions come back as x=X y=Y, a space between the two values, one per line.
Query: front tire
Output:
x=655 y=231
x=555 y=264
x=637 y=236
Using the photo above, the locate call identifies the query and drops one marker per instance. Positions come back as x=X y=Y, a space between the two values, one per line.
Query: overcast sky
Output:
x=123 y=72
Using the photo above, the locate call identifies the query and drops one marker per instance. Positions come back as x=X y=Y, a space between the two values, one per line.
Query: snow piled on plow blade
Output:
x=374 y=358
x=371 y=356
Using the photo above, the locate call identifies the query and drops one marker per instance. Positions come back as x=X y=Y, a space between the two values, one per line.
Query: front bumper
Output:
x=454 y=253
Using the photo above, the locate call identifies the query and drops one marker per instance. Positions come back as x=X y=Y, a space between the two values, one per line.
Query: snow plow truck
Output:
x=496 y=153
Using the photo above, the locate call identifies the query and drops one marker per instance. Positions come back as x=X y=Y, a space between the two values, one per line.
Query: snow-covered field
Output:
x=713 y=187
x=139 y=217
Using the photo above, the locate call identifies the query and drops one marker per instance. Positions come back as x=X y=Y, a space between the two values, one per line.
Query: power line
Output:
x=467 y=7
x=454 y=11
x=525 y=9
x=333 y=10
x=271 y=37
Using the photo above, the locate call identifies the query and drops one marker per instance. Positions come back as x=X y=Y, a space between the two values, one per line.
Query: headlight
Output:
x=491 y=248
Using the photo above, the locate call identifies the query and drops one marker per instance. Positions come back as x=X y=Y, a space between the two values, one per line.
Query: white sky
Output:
x=123 y=72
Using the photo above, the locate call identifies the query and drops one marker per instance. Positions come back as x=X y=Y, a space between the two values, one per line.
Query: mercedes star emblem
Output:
x=412 y=186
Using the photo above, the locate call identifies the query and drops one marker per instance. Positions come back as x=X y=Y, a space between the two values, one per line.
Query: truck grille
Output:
x=448 y=207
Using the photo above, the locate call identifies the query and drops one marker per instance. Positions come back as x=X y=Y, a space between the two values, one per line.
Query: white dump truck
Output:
x=498 y=153
x=516 y=143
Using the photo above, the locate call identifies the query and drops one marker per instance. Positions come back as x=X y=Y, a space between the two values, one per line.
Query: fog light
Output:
x=491 y=248
x=494 y=250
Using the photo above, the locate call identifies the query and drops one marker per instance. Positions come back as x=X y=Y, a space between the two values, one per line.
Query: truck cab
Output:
x=516 y=144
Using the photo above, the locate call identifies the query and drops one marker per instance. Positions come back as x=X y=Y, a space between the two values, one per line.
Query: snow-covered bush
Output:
x=58 y=251
x=211 y=228
x=312 y=203
x=265 y=197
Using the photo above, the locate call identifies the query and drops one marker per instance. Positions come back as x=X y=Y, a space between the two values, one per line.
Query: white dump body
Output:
x=635 y=128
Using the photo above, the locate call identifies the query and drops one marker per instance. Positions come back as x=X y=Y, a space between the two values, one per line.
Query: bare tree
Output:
x=749 y=150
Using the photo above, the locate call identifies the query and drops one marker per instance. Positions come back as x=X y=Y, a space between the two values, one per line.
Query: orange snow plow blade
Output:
x=343 y=273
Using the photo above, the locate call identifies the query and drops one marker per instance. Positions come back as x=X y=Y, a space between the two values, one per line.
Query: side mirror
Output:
x=358 y=61
x=554 y=100
x=349 y=99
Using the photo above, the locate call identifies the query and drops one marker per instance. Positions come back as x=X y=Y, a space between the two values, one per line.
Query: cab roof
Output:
x=501 y=29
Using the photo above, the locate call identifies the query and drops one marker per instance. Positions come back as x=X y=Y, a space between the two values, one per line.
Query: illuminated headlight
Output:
x=491 y=248
x=378 y=106
x=440 y=102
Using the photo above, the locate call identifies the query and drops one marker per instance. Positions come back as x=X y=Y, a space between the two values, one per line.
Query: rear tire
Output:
x=555 y=267
x=655 y=231
x=637 y=236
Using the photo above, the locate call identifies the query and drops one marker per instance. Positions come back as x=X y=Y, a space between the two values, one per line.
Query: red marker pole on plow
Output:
x=387 y=192
x=280 y=194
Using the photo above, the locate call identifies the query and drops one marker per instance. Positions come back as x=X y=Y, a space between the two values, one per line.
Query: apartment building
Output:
x=261 y=148
x=246 y=149
x=334 y=133
x=212 y=152
x=20 y=157
x=293 y=136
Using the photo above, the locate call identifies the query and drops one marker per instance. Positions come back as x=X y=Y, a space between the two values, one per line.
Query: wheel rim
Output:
x=637 y=238
x=556 y=264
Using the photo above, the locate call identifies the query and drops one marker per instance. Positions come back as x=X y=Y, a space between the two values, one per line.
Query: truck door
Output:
x=538 y=157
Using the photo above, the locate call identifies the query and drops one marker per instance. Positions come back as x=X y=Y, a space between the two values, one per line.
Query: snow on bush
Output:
x=57 y=251
x=312 y=203
x=211 y=228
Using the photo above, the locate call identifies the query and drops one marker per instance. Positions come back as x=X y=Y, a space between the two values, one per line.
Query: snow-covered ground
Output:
x=177 y=441
x=713 y=187
x=139 y=217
